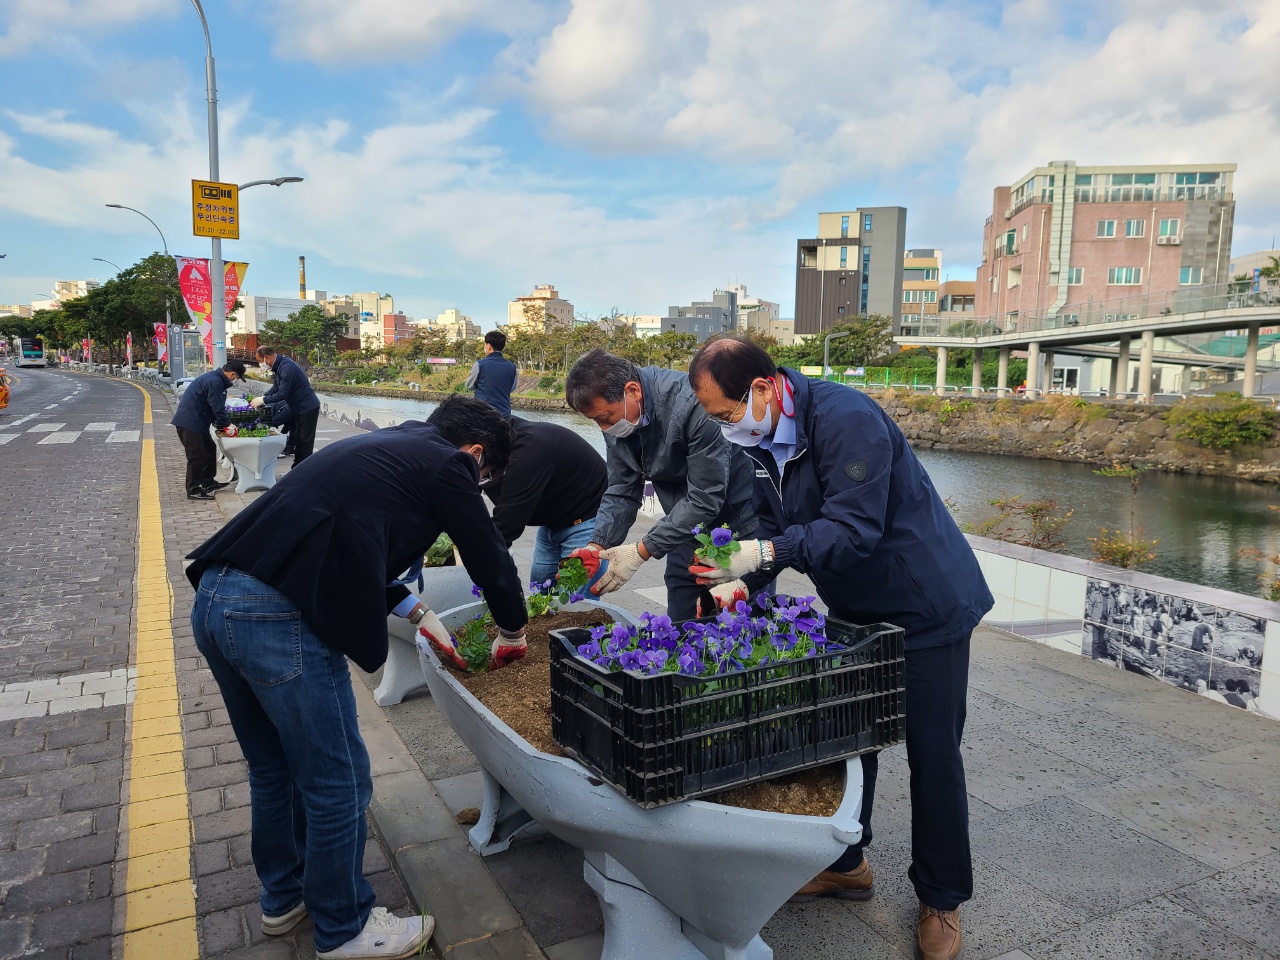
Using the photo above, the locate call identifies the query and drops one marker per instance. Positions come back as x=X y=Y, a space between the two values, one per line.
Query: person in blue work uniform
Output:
x=842 y=498
x=493 y=376
x=290 y=386
x=204 y=405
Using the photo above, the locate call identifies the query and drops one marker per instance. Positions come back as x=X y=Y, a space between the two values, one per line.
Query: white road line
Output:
x=104 y=427
x=66 y=436
x=71 y=397
x=51 y=406
x=123 y=436
x=23 y=420
x=46 y=427
x=6 y=437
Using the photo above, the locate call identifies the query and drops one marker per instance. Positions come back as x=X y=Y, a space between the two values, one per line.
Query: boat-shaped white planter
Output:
x=254 y=459
x=691 y=880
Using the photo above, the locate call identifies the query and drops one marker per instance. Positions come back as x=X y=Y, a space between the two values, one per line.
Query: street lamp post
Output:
x=103 y=260
x=168 y=322
x=217 y=305
x=826 y=350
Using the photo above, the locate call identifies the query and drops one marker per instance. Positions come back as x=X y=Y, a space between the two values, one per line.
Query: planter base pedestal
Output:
x=254 y=459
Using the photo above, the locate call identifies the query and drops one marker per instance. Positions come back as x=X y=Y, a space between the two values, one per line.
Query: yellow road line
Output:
x=160 y=903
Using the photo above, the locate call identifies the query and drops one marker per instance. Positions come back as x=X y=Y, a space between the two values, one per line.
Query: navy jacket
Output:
x=349 y=519
x=857 y=513
x=495 y=378
x=289 y=384
x=204 y=403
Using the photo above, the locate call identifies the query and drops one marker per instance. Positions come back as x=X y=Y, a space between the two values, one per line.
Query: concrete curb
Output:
x=430 y=851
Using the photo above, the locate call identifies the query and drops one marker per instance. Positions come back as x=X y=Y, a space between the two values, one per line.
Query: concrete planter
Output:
x=686 y=881
x=254 y=459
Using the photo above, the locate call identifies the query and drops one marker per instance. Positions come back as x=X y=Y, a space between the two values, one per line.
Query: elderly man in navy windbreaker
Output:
x=841 y=497
x=291 y=387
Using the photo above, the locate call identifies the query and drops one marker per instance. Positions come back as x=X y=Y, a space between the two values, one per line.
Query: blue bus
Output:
x=31 y=353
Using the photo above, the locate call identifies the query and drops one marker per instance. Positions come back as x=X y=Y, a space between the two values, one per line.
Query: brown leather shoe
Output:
x=938 y=934
x=857 y=884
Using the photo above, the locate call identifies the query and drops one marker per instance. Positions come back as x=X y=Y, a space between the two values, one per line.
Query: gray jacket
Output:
x=698 y=475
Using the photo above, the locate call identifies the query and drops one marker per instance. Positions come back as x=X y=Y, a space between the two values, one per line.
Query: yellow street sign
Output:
x=215 y=209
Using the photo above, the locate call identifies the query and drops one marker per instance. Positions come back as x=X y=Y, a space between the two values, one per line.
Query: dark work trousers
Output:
x=287 y=429
x=682 y=588
x=202 y=458
x=303 y=435
x=937 y=679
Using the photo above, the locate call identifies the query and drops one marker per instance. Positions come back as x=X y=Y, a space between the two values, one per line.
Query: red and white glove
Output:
x=507 y=650
x=429 y=626
x=724 y=595
x=230 y=430
x=590 y=557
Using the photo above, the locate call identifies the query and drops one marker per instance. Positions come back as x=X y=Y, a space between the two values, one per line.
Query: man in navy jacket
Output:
x=299 y=581
x=841 y=497
x=493 y=376
x=204 y=405
x=291 y=386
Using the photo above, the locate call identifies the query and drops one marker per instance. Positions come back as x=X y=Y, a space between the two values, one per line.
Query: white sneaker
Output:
x=279 y=926
x=386 y=937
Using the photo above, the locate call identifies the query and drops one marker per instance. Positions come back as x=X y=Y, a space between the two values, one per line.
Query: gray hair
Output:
x=598 y=375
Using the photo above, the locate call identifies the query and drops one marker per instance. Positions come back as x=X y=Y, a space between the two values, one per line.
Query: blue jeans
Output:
x=552 y=546
x=290 y=703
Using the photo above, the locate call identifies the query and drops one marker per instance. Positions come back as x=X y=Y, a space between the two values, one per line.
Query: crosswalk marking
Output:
x=22 y=420
x=122 y=436
x=66 y=436
x=104 y=427
x=46 y=427
x=6 y=437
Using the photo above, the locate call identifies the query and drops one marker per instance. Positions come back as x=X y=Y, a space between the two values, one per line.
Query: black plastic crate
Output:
x=671 y=737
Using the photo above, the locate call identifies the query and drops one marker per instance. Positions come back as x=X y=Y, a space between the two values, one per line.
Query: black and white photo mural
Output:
x=1208 y=650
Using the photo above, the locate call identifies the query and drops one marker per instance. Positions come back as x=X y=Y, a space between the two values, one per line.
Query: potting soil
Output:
x=520 y=696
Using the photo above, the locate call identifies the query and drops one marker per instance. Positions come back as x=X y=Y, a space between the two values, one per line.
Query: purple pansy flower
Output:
x=697 y=531
x=721 y=536
x=476 y=591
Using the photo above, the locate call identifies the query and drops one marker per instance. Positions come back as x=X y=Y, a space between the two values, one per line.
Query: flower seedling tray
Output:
x=671 y=737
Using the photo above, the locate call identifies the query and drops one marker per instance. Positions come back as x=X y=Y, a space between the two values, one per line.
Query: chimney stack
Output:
x=302 y=278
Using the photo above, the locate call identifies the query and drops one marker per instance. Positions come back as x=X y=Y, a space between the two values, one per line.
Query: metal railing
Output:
x=1232 y=295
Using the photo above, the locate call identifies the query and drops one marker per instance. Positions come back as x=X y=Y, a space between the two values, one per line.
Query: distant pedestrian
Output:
x=493 y=376
x=291 y=386
x=204 y=405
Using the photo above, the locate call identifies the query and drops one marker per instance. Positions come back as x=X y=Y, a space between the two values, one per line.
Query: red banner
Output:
x=128 y=346
x=161 y=340
x=85 y=345
x=197 y=293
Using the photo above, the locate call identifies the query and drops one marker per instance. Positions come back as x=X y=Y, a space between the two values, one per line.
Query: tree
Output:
x=870 y=337
x=309 y=330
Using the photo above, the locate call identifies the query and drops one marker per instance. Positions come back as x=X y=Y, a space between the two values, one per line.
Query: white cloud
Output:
x=29 y=23
x=322 y=30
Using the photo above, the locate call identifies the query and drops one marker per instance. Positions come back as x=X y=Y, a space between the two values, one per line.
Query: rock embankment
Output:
x=1067 y=428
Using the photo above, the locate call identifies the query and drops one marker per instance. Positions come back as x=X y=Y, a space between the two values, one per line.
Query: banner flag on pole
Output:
x=197 y=293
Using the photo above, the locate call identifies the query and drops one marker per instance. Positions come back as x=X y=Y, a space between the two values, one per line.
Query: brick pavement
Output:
x=67 y=552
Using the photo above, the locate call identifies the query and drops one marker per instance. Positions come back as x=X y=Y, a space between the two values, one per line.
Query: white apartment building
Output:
x=544 y=306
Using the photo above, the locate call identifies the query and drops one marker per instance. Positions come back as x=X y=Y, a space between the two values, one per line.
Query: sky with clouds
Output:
x=635 y=153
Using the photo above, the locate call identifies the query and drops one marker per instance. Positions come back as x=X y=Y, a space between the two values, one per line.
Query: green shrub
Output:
x=547 y=383
x=1126 y=550
x=1223 y=421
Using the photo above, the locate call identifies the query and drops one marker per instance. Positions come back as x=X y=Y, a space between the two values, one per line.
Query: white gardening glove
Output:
x=747 y=560
x=257 y=402
x=624 y=561
x=725 y=595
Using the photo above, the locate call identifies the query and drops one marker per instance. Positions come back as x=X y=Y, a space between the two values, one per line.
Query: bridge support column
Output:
x=1251 y=362
x=1033 y=366
x=1144 y=368
x=1047 y=379
x=1120 y=368
x=976 y=382
x=1002 y=375
x=941 y=380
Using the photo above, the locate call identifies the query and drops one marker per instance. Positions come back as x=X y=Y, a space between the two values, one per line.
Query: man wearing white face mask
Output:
x=841 y=497
x=655 y=431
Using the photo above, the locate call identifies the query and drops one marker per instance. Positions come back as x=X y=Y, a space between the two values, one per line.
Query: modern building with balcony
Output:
x=1064 y=239
x=853 y=266
x=920 y=289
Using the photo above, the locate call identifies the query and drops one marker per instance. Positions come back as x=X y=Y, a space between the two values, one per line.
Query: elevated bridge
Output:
x=1107 y=328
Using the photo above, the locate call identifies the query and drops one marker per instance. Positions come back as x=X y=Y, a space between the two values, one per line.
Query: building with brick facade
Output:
x=1063 y=238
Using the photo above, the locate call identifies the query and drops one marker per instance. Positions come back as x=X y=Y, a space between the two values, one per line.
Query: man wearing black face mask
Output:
x=655 y=431
x=842 y=498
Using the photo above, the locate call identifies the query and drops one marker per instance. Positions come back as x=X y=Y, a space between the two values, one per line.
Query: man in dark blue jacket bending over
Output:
x=291 y=386
x=841 y=497
x=204 y=405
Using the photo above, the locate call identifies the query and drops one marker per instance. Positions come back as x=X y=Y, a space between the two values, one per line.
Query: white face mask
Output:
x=747 y=432
x=624 y=427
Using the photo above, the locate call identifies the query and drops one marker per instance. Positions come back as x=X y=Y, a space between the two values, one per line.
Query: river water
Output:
x=1202 y=523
